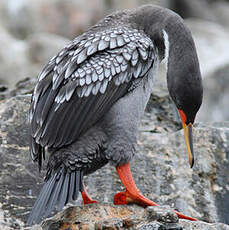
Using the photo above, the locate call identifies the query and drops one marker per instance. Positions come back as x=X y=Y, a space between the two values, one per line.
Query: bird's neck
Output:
x=166 y=29
x=178 y=42
x=170 y=35
x=174 y=42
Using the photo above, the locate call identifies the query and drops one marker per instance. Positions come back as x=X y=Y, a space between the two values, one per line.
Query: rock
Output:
x=212 y=45
x=214 y=10
x=22 y=87
x=162 y=214
x=216 y=94
x=160 y=167
x=43 y=46
x=202 y=226
x=26 y=58
x=66 y=18
x=193 y=9
x=107 y=216
x=3 y=91
x=14 y=64
x=211 y=39
x=222 y=12
x=17 y=172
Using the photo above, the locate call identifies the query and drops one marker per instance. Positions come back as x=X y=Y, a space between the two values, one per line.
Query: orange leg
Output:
x=132 y=194
x=86 y=197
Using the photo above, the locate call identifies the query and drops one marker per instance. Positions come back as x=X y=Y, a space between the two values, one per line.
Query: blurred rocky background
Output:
x=32 y=31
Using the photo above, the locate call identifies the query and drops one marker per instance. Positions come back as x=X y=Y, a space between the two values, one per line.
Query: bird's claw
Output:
x=90 y=202
x=122 y=198
x=86 y=198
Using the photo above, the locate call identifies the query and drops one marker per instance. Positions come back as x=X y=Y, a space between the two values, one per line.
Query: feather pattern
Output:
x=94 y=65
x=61 y=188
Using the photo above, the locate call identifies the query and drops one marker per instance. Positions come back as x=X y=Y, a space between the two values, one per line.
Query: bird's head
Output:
x=185 y=85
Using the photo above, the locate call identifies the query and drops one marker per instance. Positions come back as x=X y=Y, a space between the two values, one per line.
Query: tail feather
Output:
x=78 y=186
x=62 y=199
x=71 y=188
x=62 y=187
x=53 y=199
x=45 y=193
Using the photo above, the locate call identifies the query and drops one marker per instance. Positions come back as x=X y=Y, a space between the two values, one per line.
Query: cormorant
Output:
x=89 y=99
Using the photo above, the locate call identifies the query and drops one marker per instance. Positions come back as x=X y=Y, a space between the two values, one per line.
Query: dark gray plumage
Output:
x=89 y=99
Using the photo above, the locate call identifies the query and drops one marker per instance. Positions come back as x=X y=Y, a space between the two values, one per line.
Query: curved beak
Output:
x=188 y=141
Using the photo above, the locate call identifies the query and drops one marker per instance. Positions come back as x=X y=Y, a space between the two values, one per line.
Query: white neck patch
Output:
x=166 y=43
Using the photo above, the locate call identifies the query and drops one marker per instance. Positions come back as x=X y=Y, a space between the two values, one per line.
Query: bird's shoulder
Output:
x=92 y=58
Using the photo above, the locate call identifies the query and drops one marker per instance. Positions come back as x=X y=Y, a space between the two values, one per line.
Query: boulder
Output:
x=65 y=18
x=216 y=94
x=222 y=12
x=211 y=41
x=107 y=216
x=193 y=9
x=14 y=64
x=160 y=167
x=43 y=46
x=26 y=58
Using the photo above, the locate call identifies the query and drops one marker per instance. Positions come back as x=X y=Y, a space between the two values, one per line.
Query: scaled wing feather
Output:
x=83 y=81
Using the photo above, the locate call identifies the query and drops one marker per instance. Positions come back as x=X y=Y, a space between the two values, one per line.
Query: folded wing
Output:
x=81 y=83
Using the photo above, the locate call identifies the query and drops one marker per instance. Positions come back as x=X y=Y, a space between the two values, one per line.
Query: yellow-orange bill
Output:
x=188 y=141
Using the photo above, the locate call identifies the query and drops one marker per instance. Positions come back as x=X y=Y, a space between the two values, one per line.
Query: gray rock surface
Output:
x=160 y=167
x=212 y=45
x=43 y=46
x=216 y=95
x=31 y=33
x=14 y=64
x=222 y=12
x=107 y=216
x=66 y=18
x=26 y=58
x=207 y=10
x=193 y=9
x=16 y=171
